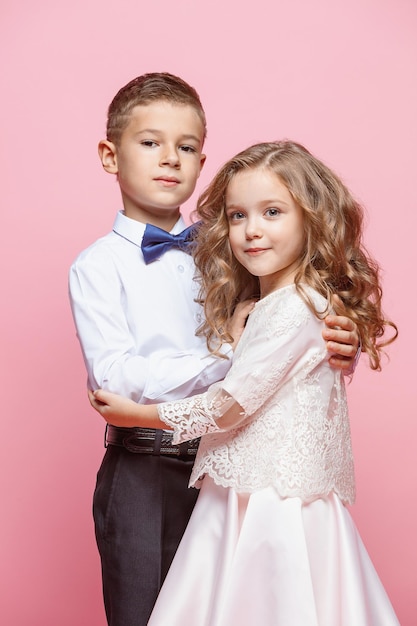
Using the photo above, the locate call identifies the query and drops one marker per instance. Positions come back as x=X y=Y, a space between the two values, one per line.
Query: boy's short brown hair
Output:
x=145 y=89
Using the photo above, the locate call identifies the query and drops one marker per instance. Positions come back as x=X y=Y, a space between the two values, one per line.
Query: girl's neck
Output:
x=269 y=286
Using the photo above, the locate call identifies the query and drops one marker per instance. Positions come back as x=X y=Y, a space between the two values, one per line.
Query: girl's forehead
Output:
x=258 y=178
x=255 y=187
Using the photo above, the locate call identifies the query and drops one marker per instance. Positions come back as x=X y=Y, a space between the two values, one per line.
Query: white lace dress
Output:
x=270 y=542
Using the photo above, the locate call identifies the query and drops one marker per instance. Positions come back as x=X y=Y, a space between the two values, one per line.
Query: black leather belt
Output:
x=149 y=441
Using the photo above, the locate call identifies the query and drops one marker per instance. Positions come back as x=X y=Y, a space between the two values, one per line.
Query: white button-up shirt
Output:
x=136 y=323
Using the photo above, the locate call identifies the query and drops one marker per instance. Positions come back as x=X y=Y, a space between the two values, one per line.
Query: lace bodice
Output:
x=284 y=406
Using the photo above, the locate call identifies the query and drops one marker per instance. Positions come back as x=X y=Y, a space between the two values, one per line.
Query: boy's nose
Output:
x=170 y=157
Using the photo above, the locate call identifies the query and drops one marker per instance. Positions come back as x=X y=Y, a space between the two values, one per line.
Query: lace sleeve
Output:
x=282 y=339
x=198 y=415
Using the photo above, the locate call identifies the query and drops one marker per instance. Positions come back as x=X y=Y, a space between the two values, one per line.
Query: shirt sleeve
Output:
x=110 y=353
x=274 y=350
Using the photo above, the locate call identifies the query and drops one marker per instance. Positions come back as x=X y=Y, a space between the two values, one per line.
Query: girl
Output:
x=270 y=541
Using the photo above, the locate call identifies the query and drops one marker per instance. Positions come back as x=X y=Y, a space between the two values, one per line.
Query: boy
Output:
x=136 y=322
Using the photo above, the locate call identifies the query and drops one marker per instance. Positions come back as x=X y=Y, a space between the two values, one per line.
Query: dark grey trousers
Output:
x=141 y=508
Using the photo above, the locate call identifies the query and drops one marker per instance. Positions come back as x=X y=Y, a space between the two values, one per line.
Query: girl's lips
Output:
x=253 y=251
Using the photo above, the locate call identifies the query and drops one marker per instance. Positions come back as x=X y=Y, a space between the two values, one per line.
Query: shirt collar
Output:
x=132 y=230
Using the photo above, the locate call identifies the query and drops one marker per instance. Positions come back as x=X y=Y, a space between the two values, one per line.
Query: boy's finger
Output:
x=341 y=363
x=95 y=401
x=345 y=322
x=342 y=350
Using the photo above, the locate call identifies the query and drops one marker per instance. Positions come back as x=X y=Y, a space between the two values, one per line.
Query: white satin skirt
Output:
x=262 y=560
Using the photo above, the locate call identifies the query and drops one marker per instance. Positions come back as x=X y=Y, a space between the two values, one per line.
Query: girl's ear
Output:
x=108 y=156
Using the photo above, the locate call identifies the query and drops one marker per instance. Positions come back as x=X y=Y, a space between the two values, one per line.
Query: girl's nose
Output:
x=253 y=230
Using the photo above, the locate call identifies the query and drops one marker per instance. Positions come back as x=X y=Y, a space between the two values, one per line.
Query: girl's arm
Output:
x=120 y=411
x=275 y=352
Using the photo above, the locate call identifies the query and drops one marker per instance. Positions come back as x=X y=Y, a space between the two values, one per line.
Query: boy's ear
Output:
x=108 y=156
x=202 y=161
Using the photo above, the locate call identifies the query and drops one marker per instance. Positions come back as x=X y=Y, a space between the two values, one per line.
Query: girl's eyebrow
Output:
x=274 y=201
x=262 y=204
x=233 y=207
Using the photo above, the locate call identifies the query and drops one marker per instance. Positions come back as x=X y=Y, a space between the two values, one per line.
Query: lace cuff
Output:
x=196 y=416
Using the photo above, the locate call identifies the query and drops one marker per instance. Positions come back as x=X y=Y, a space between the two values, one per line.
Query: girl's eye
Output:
x=272 y=212
x=149 y=143
x=235 y=216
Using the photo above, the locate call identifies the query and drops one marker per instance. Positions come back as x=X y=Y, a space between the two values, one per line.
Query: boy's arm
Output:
x=342 y=337
x=109 y=350
x=343 y=343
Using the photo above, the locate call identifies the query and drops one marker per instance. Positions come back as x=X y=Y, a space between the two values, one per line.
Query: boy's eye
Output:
x=188 y=149
x=149 y=143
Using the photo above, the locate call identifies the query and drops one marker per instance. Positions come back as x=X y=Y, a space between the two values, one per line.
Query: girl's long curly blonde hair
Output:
x=334 y=260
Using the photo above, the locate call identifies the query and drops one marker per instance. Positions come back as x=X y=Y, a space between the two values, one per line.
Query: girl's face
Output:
x=266 y=227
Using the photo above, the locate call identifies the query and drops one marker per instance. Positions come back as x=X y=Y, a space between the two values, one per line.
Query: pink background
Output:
x=337 y=76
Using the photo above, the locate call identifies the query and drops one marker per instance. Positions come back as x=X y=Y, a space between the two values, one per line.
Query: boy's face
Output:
x=157 y=161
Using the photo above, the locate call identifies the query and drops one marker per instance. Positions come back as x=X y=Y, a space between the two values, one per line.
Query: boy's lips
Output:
x=168 y=180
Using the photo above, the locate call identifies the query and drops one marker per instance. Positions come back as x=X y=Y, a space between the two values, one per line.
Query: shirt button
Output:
x=181 y=268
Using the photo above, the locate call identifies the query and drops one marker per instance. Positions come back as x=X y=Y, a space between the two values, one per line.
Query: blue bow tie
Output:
x=156 y=241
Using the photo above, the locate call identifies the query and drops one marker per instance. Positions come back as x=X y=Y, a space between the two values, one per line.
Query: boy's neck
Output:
x=165 y=220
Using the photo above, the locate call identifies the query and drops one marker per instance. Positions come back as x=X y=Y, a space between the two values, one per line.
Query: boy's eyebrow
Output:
x=155 y=131
x=193 y=137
